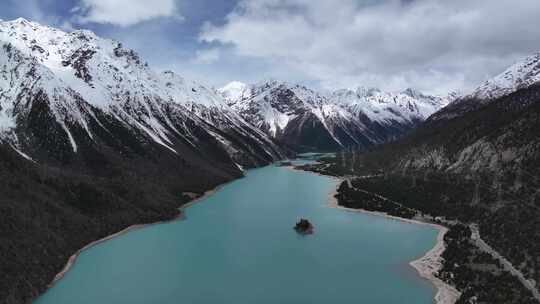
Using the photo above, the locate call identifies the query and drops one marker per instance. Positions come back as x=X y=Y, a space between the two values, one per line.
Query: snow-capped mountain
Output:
x=61 y=89
x=303 y=118
x=408 y=106
x=493 y=129
x=521 y=75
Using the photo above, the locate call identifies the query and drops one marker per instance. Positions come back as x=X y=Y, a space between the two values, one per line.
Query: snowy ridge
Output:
x=347 y=117
x=385 y=107
x=521 y=75
x=277 y=103
x=234 y=90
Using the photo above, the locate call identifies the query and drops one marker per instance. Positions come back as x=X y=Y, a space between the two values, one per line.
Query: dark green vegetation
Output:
x=476 y=274
x=472 y=162
x=303 y=226
x=359 y=199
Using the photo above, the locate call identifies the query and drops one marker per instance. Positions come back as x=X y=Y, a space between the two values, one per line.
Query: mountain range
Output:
x=92 y=94
x=301 y=118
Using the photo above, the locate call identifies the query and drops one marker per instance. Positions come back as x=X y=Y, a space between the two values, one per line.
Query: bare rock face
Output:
x=304 y=227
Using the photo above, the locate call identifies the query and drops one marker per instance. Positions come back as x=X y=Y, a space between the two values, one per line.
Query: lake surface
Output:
x=238 y=246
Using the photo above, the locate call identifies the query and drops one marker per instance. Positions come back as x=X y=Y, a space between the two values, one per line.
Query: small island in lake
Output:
x=304 y=227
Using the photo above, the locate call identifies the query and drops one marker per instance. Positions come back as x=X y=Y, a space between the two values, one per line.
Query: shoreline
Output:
x=335 y=178
x=426 y=266
x=73 y=258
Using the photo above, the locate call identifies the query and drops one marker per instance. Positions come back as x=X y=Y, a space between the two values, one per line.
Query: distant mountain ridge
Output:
x=301 y=117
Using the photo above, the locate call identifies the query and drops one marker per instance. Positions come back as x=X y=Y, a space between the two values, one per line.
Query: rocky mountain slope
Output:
x=304 y=119
x=92 y=140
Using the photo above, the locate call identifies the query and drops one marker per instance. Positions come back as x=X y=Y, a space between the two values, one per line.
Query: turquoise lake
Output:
x=238 y=246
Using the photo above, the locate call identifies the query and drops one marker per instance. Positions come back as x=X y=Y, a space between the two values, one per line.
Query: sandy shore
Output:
x=428 y=265
x=72 y=259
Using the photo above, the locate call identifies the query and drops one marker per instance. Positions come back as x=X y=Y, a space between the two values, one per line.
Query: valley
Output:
x=238 y=244
x=94 y=140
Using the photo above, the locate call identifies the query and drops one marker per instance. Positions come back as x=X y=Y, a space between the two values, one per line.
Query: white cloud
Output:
x=124 y=12
x=433 y=45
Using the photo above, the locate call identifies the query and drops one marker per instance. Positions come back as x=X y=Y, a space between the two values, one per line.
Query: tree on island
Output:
x=303 y=227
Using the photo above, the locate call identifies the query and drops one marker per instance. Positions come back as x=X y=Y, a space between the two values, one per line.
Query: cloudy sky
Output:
x=431 y=45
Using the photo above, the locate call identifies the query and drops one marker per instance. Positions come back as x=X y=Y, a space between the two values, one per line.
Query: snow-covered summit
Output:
x=520 y=75
x=269 y=105
x=406 y=106
x=234 y=90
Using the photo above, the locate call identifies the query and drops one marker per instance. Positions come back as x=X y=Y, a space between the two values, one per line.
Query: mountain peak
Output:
x=233 y=86
x=21 y=20
x=21 y=23
x=234 y=91
x=521 y=75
